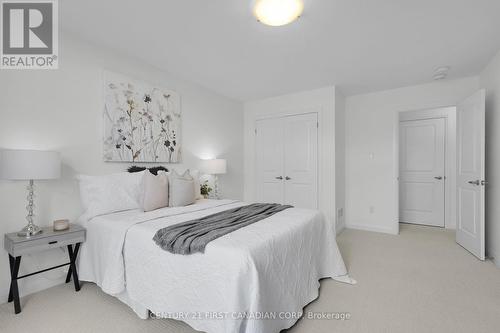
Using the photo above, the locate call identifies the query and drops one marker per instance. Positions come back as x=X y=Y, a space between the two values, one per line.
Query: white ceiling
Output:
x=359 y=45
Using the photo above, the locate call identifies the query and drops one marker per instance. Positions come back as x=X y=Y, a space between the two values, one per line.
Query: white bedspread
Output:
x=269 y=269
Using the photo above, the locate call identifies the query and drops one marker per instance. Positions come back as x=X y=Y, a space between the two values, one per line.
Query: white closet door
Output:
x=301 y=160
x=421 y=169
x=269 y=160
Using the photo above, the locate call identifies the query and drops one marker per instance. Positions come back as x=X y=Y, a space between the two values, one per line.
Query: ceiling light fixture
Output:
x=441 y=73
x=277 y=12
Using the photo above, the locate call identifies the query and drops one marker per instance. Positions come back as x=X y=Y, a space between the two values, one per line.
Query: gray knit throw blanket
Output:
x=193 y=236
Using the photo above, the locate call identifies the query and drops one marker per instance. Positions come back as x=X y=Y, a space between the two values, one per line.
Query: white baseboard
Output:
x=366 y=227
x=339 y=228
x=496 y=261
x=493 y=255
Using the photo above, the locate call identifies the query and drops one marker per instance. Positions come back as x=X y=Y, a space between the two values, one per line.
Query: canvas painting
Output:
x=142 y=123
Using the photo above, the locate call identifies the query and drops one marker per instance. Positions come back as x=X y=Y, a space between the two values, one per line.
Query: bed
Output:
x=254 y=280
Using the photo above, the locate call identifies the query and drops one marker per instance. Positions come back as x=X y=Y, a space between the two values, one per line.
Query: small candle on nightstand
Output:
x=60 y=225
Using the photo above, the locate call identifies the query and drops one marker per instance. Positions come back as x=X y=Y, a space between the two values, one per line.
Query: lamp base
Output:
x=30 y=230
x=216 y=188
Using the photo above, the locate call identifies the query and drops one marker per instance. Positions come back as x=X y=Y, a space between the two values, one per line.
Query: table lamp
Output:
x=215 y=167
x=29 y=165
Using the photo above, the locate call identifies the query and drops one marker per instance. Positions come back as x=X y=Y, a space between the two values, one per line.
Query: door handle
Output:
x=279 y=177
x=474 y=182
x=438 y=177
x=287 y=178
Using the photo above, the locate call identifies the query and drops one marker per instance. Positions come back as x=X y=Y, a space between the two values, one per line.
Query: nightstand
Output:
x=18 y=246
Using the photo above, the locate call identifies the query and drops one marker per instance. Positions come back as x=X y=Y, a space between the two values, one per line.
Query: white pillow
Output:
x=110 y=193
x=196 y=177
x=181 y=189
x=154 y=191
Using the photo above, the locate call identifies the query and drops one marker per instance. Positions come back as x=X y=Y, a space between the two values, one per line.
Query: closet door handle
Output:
x=279 y=177
x=287 y=178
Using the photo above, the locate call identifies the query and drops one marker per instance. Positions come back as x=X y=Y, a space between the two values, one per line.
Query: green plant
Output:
x=205 y=189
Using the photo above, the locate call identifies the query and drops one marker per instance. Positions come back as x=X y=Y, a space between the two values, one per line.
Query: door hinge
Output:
x=317 y=124
x=255 y=131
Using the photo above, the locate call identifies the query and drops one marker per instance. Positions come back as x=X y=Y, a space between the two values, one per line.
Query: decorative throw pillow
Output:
x=154 y=191
x=110 y=193
x=181 y=189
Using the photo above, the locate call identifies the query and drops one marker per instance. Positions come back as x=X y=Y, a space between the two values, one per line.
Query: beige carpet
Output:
x=419 y=281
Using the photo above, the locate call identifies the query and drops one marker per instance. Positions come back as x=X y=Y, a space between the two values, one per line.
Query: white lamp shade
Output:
x=278 y=12
x=29 y=164
x=214 y=167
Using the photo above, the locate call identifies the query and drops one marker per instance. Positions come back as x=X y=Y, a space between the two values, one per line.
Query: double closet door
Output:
x=287 y=160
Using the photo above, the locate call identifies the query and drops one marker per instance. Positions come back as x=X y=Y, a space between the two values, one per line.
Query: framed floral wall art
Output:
x=142 y=123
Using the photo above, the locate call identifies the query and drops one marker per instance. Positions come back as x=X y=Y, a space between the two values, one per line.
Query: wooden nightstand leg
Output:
x=14 y=290
x=11 y=263
x=72 y=267
x=68 y=276
x=75 y=254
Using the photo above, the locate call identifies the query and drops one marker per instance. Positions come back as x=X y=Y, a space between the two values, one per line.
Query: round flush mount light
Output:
x=277 y=12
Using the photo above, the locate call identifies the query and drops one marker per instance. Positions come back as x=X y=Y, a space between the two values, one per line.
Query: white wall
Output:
x=490 y=80
x=340 y=160
x=319 y=100
x=62 y=110
x=371 y=172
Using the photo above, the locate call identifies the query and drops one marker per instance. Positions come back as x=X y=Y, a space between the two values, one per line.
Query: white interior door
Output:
x=422 y=171
x=301 y=160
x=269 y=160
x=471 y=174
x=287 y=160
